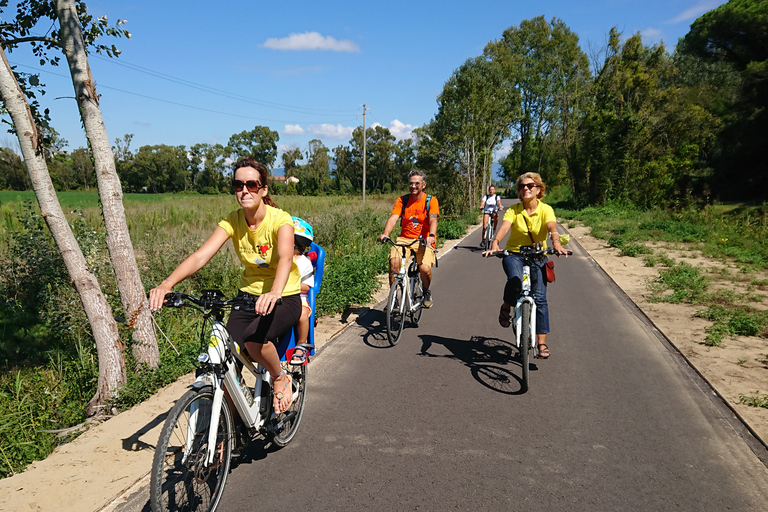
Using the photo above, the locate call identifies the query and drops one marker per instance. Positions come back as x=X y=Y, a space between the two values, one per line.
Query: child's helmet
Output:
x=302 y=232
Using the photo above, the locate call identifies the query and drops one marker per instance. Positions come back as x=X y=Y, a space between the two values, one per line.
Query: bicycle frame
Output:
x=408 y=281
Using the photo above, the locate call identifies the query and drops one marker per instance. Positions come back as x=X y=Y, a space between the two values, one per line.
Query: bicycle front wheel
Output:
x=395 y=312
x=488 y=238
x=181 y=479
x=417 y=296
x=525 y=343
x=291 y=418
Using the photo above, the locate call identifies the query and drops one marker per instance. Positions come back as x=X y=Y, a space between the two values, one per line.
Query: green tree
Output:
x=314 y=177
x=207 y=168
x=641 y=139
x=13 y=172
x=160 y=169
x=475 y=110
x=82 y=167
x=291 y=157
x=545 y=65
x=260 y=143
x=735 y=36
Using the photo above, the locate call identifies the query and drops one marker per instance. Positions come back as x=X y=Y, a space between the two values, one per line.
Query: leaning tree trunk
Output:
x=132 y=295
x=97 y=310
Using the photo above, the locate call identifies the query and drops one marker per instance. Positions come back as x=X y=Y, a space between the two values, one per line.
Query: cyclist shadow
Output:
x=375 y=324
x=484 y=357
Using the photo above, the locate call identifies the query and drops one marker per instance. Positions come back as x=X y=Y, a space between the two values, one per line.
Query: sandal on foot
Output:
x=543 y=351
x=287 y=391
x=505 y=314
x=299 y=356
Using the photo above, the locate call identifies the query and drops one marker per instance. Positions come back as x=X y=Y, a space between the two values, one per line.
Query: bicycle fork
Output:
x=526 y=297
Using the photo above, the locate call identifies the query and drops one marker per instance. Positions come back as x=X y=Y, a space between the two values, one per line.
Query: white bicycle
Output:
x=406 y=296
x=525 y=309
x=194 y=453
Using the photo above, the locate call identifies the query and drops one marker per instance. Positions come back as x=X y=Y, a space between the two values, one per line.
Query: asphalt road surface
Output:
x=614 y=420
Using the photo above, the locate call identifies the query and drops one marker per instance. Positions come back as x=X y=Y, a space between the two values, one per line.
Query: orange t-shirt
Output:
x=414 y=222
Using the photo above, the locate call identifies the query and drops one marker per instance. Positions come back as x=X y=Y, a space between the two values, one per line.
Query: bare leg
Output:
x=426 y=275
x=394 y=268
x=266 y=355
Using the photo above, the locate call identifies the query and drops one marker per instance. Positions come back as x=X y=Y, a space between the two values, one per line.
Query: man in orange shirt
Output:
x=419 y=216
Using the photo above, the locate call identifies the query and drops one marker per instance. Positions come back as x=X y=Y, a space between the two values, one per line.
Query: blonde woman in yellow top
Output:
x=527 y=222
x=262 y=236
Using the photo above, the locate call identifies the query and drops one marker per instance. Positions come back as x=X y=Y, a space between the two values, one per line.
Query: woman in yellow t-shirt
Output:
x=263 y=238
x=527 y=222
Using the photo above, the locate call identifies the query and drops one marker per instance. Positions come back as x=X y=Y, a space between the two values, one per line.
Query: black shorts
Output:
x=248 y=327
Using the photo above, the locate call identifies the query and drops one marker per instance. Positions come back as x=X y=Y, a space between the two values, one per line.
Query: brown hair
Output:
x=536 y=179
x=249 y=161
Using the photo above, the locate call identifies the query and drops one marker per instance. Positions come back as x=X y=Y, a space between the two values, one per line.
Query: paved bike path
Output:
x=613 y=420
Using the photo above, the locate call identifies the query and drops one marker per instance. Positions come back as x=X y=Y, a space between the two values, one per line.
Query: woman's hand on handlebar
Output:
x=266 y=302
x=493 y=249
x=157 y=295
x=558 y=248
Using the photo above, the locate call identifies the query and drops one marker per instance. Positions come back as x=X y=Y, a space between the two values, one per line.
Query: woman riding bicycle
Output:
x=528 y=222
x=262 y=236
x=491 y=205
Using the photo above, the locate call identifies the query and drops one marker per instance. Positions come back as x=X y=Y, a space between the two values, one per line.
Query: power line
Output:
x=220 y=92
x=346 y=118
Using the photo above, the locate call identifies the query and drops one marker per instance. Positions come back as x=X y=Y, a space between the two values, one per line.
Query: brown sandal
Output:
x=505 y=314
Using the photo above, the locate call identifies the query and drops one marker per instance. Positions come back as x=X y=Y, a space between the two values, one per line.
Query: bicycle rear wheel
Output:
x=525 y=343
x=395 y=316
x=181 y=480
x=418 y=295
x=292 y=417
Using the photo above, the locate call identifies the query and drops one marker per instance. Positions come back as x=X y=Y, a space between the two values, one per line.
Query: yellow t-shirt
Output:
x=257 y=250
x=523 y=223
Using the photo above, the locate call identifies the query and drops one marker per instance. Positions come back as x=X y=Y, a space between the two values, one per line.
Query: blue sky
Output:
x=199 y=71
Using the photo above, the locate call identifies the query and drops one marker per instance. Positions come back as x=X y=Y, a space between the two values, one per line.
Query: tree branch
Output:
x=50 y=40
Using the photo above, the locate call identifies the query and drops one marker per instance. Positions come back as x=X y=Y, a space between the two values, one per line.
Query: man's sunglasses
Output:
x=253 y=186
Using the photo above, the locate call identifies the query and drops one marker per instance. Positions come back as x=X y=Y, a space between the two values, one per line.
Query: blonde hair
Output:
x=536 y=177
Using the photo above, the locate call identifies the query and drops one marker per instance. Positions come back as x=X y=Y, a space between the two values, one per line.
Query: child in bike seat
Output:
x=303 y=236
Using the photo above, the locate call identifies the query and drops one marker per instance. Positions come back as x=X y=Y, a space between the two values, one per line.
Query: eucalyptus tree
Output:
x=260 y=143
x=207 y=168
x=73 y=32
x=315 y=176
x=290 y=157
x=543 y=63
x=475 y=110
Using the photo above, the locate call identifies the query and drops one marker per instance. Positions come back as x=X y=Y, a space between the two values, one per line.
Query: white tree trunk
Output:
x=97 y=310
x=132 y=295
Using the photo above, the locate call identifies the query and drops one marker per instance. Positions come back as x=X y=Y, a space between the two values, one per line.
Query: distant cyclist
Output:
x=491 y=205
x=419 y=212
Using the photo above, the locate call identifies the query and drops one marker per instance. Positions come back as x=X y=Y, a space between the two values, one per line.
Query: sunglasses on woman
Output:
x=253 y=186
x=529 y=186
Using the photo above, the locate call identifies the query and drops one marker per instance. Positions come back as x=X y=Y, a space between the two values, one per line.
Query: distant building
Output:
x=283 y=179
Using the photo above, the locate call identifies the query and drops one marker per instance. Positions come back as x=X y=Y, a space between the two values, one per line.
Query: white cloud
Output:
x=654 y=34
x=502 y=150
x=695 y=11
x=331 y=131
x=400 y=130
x=311 y=41
x=293 y=129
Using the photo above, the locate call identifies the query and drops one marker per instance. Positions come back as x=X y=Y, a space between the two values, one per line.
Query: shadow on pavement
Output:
x=484 y=357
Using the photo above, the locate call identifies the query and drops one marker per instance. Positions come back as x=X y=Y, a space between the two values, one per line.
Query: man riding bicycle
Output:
x=419 y=213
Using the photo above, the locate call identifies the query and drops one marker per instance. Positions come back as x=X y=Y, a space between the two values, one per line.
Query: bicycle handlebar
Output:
x=529 y=250
x=209 y=299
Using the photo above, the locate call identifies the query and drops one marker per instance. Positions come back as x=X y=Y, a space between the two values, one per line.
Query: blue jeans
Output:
x=513 y=267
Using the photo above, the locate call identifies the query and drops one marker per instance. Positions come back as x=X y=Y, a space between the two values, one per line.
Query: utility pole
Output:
x=365 y=137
